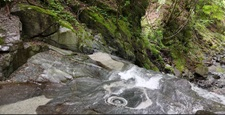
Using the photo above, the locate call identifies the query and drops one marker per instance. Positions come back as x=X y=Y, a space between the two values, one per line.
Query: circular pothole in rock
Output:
x=117 y=101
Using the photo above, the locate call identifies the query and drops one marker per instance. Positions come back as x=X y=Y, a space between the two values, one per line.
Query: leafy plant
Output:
x=214 y=11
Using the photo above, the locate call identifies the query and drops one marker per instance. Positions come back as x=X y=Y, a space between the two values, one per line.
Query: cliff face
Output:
x=120 y=27
x=159 y=35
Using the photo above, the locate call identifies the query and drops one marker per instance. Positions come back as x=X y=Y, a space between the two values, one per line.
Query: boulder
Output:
x=80 y=41
x=201 y=71
x=64 y=38
x=35 y=24
x=9 y=32
x=222 y=61
x=188 y=74
x=216 y=69
x=78 y=85
x=10 y=29
x=107 y=61
x=177 y=72
x=12 y=60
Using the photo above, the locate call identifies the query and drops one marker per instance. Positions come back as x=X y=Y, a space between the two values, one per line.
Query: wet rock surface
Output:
x=9 y=33
x=107 y=61
x=10 y=61
x=9 y=29
x=12 y=92
x=78 y=84
x=215 y=79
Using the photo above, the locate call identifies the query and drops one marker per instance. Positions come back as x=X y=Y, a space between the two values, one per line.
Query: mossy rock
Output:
x=1 y=41
x=202 y=70
x=116 y=36
x=123 y=33
x=35 y=23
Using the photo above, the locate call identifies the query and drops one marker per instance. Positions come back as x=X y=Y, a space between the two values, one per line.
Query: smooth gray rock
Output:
x=65 y=38
x=80 y=41
x=94 y=89
x=21 y=107
x=107 y=61
x=177 y=72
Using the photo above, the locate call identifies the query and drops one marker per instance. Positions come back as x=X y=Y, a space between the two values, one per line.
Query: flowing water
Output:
x=85 y=87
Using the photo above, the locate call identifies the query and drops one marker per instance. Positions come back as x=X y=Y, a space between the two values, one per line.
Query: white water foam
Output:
x=209 y=95
x=150 y=83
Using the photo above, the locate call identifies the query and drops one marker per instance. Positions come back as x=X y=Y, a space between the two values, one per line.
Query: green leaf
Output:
x=207 y=9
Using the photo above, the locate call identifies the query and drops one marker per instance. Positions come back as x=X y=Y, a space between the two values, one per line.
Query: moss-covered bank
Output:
x=152 y=34
x=122 y=29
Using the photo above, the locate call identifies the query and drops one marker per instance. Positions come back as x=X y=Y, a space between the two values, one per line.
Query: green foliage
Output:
x=214 y=11
x=178 y=59
x=1 y=41
x=214 y=38
x=208 y=13
x=103 y=21
x=210 y=10
x=66 y=19
x=127 y=3
x=101 y=11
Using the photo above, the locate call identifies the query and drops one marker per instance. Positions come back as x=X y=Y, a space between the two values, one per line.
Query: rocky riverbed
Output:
x=66 y=82
x=215 y=79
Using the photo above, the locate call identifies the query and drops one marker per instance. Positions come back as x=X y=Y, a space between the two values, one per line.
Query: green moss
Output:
x=179 y=64
x=65 y=19
x=178 y=60
x=38 y=9
x=213 y=38
x=110 y=22
x=124 y=27
x=66 y=24
x=128 y=49
x=1 y=41
x=154 y=50
x=116 y=29
x=146 y=66
x=149 y=65
x=170 y=68
x=127 y=38
x=105 y=22
x=151 y=41
x=57 y=16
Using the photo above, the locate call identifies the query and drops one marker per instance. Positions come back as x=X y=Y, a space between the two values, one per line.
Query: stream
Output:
x=56 y=83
